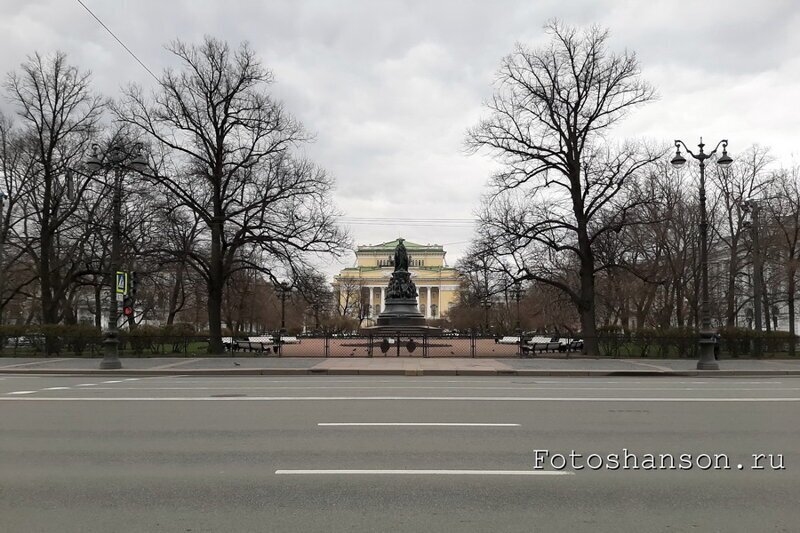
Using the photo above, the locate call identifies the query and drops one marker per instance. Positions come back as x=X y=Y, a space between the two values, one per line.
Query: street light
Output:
x=284 y=289
x=752 y=209
x=3 y=231
x=708 y=338
x=517 y=296
x=118 y=157
x=486 y=304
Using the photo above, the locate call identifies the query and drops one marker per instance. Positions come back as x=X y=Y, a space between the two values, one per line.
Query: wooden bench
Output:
x=249 y=344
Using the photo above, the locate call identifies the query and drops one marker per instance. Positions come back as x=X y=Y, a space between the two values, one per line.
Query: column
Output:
x=428 y=302
x=383 y=297
x=370 y=302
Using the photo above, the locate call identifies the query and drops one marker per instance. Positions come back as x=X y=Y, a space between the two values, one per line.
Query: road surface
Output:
x=360 y=453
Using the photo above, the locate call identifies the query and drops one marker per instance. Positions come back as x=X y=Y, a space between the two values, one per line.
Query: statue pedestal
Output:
x=401 y=316
x=401 y=312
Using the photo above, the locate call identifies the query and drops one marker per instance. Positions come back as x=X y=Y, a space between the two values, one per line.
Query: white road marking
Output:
x=87 y=385
x=56 y=388
x=114 y=381
x=428 y=472
x=393 y=398
x=235 y=387
x=33 y=363
x=22 y=392
x=445 y=424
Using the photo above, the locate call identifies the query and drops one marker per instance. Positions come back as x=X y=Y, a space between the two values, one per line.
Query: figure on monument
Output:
x=400 y=256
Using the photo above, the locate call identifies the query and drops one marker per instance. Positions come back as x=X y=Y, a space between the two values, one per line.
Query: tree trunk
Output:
x=791 y=290
x=215 y=289
x=730 y=310
x=586 y=305
x=173 y=297
x=98 y=306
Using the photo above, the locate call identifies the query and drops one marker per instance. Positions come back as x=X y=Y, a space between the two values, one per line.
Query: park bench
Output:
x=509 y=340
x=541 y=344
x=257 y=344
x=248 y=344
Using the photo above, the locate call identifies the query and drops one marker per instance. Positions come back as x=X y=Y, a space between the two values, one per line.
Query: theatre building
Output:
x=361 y=289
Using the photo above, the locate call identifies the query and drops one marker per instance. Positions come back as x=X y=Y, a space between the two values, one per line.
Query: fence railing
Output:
x=332 y=345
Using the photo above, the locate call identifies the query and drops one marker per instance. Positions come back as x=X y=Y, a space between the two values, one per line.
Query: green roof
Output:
x=391 y=245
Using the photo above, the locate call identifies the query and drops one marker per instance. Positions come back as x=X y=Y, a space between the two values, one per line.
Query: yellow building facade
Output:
x=361 y=289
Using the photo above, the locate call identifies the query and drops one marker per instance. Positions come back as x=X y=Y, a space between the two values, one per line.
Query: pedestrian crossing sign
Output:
x=122 y=283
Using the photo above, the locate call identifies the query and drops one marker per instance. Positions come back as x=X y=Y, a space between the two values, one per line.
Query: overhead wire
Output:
x=134 y=56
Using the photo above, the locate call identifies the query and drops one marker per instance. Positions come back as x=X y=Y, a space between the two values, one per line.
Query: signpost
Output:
x=122 y=283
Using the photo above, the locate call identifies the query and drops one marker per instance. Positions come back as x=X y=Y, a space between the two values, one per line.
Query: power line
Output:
x=119 y=41
x=411 y=219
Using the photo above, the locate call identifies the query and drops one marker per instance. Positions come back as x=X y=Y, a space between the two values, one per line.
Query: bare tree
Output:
x=17 y=168
x=59 y=114
x=747 y=178
x=547 y=120
x=784 y=214
x=230 y=149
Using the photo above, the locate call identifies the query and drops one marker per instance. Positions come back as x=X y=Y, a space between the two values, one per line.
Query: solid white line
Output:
x=22 y=392
x=34 y=363
x=391 y=398
x=447 y=424
x=660 y=389
x=429 y=472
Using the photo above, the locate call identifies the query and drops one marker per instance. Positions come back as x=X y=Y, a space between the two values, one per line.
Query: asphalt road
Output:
x=284 y=454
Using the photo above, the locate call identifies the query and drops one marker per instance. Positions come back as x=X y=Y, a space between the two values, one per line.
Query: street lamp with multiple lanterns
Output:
x=486 y=304
x=708 y=337
x=119 y=157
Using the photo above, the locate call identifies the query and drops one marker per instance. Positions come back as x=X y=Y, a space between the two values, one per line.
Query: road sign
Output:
x=120 y=297
x=122 y=283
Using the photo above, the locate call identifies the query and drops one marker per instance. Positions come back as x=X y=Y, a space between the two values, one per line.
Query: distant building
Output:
x=361 y=289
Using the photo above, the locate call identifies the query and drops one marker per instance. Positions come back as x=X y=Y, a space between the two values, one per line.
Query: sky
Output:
x=389 y=88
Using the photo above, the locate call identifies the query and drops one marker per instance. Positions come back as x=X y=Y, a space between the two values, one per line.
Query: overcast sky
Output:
x=390 y=87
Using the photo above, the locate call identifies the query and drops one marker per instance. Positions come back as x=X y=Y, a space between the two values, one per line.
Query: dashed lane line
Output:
x=425 y=472
x=412 y=424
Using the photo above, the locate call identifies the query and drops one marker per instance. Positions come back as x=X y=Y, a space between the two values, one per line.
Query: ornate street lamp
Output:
x=486 y=304
x=517 y=292
x=118 y=157
x=284 y=289
x=2 y=242
x=708 y=338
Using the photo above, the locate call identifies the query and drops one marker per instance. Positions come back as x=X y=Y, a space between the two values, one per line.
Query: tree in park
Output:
x=562 y=186
x=229 y=159
x=58 y=119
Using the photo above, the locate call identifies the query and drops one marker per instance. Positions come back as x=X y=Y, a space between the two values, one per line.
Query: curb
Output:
x=222 y=372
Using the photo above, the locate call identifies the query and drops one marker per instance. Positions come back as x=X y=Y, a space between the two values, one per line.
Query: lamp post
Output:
x=3 y=236
x=707 y=338
x=117 y=158
x=517 y=297
x=751 y=207
x=284 y=289
x=486 y=304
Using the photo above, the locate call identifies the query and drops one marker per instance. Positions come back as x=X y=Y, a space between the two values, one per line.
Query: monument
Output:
x=401 y=315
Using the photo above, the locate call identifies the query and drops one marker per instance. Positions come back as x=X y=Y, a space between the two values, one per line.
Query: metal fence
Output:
x=469 y=345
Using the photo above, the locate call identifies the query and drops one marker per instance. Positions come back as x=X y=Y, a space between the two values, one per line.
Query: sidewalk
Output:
x=401 y=366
